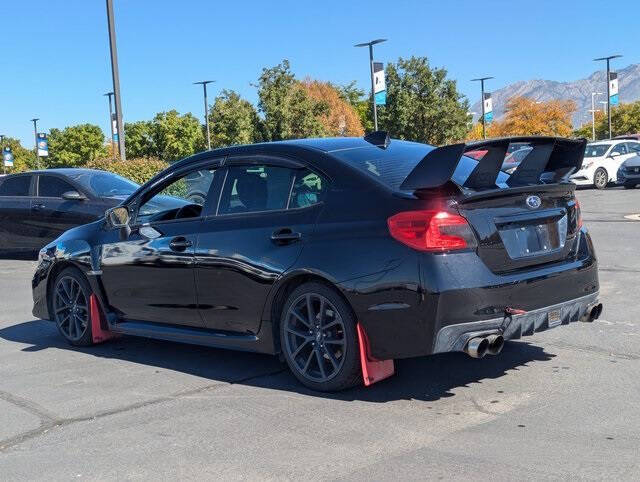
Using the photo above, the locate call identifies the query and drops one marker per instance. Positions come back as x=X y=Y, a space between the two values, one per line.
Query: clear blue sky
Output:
x=55 y=54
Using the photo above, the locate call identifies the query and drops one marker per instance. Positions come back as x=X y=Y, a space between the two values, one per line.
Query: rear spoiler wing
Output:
x=555 y=155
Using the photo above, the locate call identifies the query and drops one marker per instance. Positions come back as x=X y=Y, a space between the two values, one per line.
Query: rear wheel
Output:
x=69 y=296
x=319 y=339
x=600 y=178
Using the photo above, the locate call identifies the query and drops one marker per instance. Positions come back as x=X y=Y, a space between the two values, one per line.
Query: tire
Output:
x=327 y=358
x=71 y=290
x=600 y=178
x=629 y=186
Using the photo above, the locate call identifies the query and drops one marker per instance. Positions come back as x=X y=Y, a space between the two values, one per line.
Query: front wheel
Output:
x=319 y=339
x=69 y=296
x=600 y=178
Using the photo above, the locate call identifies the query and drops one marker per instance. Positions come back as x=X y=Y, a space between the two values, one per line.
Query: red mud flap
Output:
x=98 y=334
x=372 y=370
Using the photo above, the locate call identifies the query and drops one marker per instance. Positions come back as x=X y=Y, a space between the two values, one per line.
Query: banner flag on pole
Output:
x=7 y=156
x=613 y=88
x=43 y=145
x=379 y=84
x=488 y=107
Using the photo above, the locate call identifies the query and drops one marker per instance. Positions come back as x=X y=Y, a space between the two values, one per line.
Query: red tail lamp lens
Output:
x=431 y=230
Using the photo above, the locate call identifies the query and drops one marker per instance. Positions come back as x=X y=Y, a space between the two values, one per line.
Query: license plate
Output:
x=554 y=318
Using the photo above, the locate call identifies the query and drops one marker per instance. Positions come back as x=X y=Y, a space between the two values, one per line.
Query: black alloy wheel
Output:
x=319 y=338
x=70 y=304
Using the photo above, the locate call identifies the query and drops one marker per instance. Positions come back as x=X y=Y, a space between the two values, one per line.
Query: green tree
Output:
x=422 y=104
x=139 y=141
x=23 y=159
x=233 y=120
x=359 y=101
x=177 y=136
x=288 y=111
x=74 y=146
x=625 y=119
x=170 y=136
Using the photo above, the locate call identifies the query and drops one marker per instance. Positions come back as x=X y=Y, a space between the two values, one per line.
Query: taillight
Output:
x=578 y=215
x=431 y=230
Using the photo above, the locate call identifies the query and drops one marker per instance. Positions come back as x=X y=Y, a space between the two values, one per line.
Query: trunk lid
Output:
x=521 y=228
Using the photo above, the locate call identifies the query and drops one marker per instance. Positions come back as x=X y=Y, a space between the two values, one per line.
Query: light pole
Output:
x=113 y=142
x=608 y=87
x=373 y=95
x=593 y=115
x=481 y=80
x=206 y=108
x=605 y=105
x=4 y=168
x=116 y=78
x=35 y=136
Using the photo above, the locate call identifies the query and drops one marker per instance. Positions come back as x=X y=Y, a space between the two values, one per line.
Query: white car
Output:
x=602 y=159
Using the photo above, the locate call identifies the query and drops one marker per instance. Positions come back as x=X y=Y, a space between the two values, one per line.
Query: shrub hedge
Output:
x=139 y=170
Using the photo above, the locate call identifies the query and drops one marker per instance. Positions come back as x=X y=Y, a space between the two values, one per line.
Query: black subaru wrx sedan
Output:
x=339 y=254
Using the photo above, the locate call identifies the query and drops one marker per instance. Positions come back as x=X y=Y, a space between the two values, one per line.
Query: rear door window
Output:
x=15 y=186
x=308 y=189
x=53 y=186
x=256 y=189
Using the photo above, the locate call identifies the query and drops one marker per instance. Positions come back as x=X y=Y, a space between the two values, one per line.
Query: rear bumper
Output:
x=455 y=337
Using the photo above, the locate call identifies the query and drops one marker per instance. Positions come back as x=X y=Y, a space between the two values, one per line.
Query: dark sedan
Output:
x=38 y=206
x=340 y=254
x=628 y=174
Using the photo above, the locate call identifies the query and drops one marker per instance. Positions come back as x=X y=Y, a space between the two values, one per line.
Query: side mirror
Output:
x=118 y=217
x=614 y=154
x=73 y=196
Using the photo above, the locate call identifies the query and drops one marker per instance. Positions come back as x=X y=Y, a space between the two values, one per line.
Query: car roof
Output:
x=64 y=171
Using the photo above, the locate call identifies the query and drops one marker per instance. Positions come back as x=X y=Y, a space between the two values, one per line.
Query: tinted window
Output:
x=15 y=186
x=392 y=165
x=619 y=148
x=51 y=186
x=633 y=147
x=255 y=188
x=308 y=188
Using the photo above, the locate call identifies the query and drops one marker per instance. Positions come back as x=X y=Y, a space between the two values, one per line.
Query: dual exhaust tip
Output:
x=593 y=313
x=480 y=346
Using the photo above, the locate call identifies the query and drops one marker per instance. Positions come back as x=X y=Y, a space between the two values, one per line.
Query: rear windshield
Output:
x=392 y=165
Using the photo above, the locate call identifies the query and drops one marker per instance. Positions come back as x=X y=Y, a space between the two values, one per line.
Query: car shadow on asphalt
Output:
x=426 y=378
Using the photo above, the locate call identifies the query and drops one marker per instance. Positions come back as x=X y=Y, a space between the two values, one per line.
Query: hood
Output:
x=632 y=161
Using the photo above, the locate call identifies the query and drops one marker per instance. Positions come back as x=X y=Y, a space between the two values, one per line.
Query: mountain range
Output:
x=579 y=91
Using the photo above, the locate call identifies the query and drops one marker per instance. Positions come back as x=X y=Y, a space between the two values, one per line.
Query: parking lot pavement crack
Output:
x=42 y=413
x=595 y=349
x=50 y=421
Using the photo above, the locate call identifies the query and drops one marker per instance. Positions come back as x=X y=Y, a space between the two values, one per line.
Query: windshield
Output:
x=106 y=184
x=596 y=150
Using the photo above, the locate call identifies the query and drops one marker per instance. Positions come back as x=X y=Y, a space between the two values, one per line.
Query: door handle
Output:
x=180 y=244
x=285 y=236
x=37 y=207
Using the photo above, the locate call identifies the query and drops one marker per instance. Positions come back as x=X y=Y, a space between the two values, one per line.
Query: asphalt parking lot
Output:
x=561 y=404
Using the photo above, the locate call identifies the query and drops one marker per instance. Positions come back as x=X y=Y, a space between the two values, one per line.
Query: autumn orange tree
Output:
x=524 y=116
x=340 y=118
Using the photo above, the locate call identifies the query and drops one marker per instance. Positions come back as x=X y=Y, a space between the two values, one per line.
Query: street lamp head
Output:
x=108 y=94
x=35 y=120
x=608 y=58
x=373 y=42
x=481 y=79
x=203 y=82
